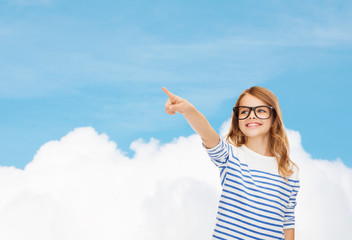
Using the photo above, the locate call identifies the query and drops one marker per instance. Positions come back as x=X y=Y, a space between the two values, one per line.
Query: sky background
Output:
x=68 y=64
x=87 y=150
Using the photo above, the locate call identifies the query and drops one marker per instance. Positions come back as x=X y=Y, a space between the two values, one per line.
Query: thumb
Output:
x=177 y=108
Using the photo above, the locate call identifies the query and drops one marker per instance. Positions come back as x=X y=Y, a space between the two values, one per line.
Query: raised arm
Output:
x=197 y=121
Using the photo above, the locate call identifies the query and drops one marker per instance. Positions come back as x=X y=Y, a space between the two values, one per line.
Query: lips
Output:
x=253 y=124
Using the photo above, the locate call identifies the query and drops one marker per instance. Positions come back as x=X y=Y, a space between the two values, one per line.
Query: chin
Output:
x=254 y=134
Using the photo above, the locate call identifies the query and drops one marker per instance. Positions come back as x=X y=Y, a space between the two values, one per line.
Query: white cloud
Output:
x=325 y=200
x=83 y=187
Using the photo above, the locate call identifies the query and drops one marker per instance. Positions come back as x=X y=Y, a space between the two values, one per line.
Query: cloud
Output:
x=84 y=187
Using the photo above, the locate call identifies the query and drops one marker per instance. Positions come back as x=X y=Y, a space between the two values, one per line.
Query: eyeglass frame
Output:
x=272 y=109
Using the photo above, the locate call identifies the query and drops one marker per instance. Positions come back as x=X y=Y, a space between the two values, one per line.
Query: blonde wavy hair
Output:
x=278 y=141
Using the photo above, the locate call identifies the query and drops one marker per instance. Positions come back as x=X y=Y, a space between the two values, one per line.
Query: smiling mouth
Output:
x=253 y=125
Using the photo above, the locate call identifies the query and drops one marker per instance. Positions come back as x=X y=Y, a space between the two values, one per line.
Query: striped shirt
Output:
x=256 y=202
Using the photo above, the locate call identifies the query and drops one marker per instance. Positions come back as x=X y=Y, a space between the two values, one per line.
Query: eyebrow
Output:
x=254 y=106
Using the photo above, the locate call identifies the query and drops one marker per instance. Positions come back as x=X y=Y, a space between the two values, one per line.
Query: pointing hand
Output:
x=175 y=103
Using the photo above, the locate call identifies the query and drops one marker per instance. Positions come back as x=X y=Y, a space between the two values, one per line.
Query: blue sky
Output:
x=66 y=64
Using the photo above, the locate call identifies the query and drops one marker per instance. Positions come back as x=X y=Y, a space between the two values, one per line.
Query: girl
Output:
x=259 y=181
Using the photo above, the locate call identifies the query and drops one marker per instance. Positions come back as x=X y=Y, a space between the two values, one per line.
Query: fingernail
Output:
x=170 y=108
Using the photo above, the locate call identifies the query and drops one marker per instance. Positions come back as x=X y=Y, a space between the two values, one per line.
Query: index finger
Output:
x=171 y=95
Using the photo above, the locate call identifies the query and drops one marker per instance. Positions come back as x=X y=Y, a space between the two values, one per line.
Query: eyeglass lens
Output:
x=262 y=112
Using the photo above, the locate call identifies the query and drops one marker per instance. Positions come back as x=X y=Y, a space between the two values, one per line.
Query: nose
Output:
x=251 y=114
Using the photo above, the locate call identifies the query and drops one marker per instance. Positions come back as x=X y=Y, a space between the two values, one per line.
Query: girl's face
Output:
x=252 y=126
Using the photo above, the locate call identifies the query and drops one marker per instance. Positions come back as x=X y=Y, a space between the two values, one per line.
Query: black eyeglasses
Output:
x=261 y=112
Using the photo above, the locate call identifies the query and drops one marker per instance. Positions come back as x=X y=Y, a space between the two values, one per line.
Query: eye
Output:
x=262 y=110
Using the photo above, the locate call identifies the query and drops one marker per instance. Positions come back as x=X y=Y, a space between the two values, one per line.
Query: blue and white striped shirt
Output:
x=256 y=202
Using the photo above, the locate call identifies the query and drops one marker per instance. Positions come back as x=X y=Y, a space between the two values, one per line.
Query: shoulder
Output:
x=233 y=151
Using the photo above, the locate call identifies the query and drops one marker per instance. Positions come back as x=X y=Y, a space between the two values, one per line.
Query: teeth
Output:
x=252 y=124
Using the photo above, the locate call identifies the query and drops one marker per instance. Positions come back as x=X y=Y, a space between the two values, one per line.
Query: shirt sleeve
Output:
x=219 y=154
x=289 y=218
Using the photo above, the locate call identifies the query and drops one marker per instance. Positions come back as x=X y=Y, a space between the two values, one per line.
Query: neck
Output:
x=259 y=145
